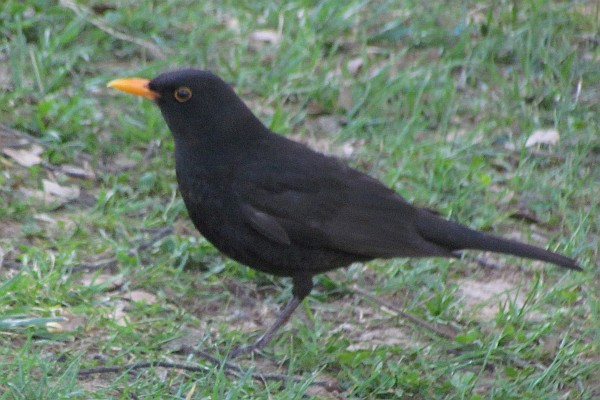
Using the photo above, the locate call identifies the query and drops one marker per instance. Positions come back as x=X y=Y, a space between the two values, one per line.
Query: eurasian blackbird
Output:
x=279 y=207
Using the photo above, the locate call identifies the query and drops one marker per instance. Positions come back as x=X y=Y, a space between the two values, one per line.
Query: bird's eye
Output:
x=183 y=94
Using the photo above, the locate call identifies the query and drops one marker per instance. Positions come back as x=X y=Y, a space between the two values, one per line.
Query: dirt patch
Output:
x=379 y=336
x=485 y=296
x=9 y=229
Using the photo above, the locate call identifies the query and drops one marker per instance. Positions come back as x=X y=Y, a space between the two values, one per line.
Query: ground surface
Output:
x=488 y=114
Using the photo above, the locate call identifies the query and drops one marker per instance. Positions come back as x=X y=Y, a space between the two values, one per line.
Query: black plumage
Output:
x=279 y=207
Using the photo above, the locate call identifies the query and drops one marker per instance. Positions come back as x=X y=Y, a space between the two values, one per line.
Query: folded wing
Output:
x=317 y=201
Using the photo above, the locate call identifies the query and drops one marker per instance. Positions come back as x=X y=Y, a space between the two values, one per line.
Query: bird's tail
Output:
x=454 y=236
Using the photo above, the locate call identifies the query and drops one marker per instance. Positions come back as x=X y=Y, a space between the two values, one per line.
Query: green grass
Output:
x=440 y=109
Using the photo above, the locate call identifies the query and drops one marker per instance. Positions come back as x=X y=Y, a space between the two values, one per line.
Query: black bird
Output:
x=279 y=207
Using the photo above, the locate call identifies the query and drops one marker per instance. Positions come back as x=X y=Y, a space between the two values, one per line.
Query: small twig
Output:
x=84 y=12
x=525 y=215
x=75 y=172
x=19 y=134
x=540 y=153
x=228 y=368
x=106 y=263
x=161 y=233
x=140 y=365
x=441 y=331
x=209 y=357
x=236 y=370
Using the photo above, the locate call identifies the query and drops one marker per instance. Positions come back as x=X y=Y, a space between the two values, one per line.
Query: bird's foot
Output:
x=268 y=335
x=237 y=351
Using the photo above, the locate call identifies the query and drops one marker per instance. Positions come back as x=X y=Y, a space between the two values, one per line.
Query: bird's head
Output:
x=194 y=103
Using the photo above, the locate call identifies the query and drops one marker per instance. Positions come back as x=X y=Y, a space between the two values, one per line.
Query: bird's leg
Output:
x=266 y=337
x=302 y=287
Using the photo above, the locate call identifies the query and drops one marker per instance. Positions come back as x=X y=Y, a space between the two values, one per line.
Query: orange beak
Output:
x=137 y=86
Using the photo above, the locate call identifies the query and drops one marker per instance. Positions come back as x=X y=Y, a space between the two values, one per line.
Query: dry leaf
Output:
x=45 y=218
x=543 y=136
x=111 y=282
x=77 y=172
x=233 y=24
x=35 y=194
x=42 y=197
x=63 y=192
x=190 y=393
x=140 y=296
x=355 y=65
x=54 y=327
x=71 y=323
x=118 y=314
x=348 y=148
x=265 y=36
x=121 y=163
x=74 y=322
x=25 y=157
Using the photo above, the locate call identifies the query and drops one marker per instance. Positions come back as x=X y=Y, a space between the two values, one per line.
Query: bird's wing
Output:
x=308 y=199
x=265 y=224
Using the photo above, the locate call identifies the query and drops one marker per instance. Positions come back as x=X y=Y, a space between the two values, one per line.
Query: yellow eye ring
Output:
x=183 y=94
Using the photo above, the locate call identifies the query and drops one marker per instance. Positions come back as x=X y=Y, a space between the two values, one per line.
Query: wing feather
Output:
x=318 y=201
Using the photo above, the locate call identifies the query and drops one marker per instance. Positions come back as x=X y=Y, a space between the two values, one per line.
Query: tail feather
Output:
x=455 y=236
